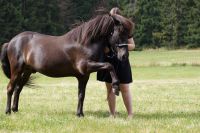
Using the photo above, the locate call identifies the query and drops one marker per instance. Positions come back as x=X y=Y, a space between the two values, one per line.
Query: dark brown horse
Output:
x=75 y=53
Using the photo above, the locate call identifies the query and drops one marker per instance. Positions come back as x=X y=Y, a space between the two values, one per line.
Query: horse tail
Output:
x=5 y=65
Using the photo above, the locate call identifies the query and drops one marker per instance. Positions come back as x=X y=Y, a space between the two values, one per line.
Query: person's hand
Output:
x=131 y=44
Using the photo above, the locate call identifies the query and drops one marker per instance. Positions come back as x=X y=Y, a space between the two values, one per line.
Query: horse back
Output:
x=29 y=48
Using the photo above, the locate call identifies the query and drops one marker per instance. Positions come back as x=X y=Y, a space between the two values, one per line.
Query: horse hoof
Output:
x=8 y=112
x=80 y=115
x=116 y=91
x=15 y=109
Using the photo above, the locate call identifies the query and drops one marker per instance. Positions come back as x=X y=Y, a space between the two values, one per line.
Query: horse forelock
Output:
x=100 y=26
x=128 y=24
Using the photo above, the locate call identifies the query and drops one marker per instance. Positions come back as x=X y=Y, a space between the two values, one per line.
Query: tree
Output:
x=11 y=20
x=147 y=18
x=174 y=23
x=168 y=23
x=193 y=24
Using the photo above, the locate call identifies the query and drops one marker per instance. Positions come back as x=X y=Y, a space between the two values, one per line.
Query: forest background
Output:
x=172 y=24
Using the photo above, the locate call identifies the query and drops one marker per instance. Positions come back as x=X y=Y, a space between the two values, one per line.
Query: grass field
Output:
x=166 y=98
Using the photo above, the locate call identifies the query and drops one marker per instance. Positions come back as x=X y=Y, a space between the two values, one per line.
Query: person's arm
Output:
x=131 y=44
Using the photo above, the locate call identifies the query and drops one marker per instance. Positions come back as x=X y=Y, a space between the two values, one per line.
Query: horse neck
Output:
x=71 y=37
x=97 y=49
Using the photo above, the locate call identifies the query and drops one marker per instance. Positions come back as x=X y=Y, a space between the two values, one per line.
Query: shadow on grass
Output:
x=121 y=114
x=168 y=115
x=157 y=115
x=98 y=114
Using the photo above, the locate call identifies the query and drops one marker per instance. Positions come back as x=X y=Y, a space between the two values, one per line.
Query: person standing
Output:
x=123 y=71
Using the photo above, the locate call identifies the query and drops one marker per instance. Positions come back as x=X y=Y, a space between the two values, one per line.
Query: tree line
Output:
x=169 y=23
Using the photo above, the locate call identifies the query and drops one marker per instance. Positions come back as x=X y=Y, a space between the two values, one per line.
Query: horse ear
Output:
x=124 y=21
x=116 y=19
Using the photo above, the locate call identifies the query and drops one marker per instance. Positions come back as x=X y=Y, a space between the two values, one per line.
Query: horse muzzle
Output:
x=122 y=52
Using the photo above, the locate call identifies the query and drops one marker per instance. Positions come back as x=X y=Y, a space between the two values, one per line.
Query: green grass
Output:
x=165 y=58
x=166 y=98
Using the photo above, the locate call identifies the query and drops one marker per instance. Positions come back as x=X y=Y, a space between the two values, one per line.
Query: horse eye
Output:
x=121 y=28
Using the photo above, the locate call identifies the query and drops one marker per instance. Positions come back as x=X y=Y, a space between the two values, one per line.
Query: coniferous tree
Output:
x=171 y=23
x=193 y=24
x=11 y=20
x=147 y=22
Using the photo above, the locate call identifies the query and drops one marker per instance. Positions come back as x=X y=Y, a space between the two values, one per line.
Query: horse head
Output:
x=120 y=35
x=113 y=30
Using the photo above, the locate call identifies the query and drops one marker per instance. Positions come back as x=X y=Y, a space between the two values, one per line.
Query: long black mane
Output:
x=100 y=26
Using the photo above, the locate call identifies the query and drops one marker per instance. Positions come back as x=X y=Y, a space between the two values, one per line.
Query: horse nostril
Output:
x=124 y=57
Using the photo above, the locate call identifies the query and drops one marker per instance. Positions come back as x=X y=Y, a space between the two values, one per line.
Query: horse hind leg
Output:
x=10 y=89
x=23 y=80
x=16 y=69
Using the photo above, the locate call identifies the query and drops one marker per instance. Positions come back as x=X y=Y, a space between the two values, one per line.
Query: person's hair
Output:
x=115 y=10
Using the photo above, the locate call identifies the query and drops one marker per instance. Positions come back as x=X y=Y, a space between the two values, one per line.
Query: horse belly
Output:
x=58 y=71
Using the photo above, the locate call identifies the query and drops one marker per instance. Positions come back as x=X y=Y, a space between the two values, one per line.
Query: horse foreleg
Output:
x=96 y=66
x=24 y=79
x=82 y=82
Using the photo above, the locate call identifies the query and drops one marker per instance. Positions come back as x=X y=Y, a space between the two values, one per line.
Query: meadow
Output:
x=166 y=98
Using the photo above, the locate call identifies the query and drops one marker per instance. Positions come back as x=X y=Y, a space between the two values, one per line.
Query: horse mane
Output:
x=98 y=11
x=93 y=29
